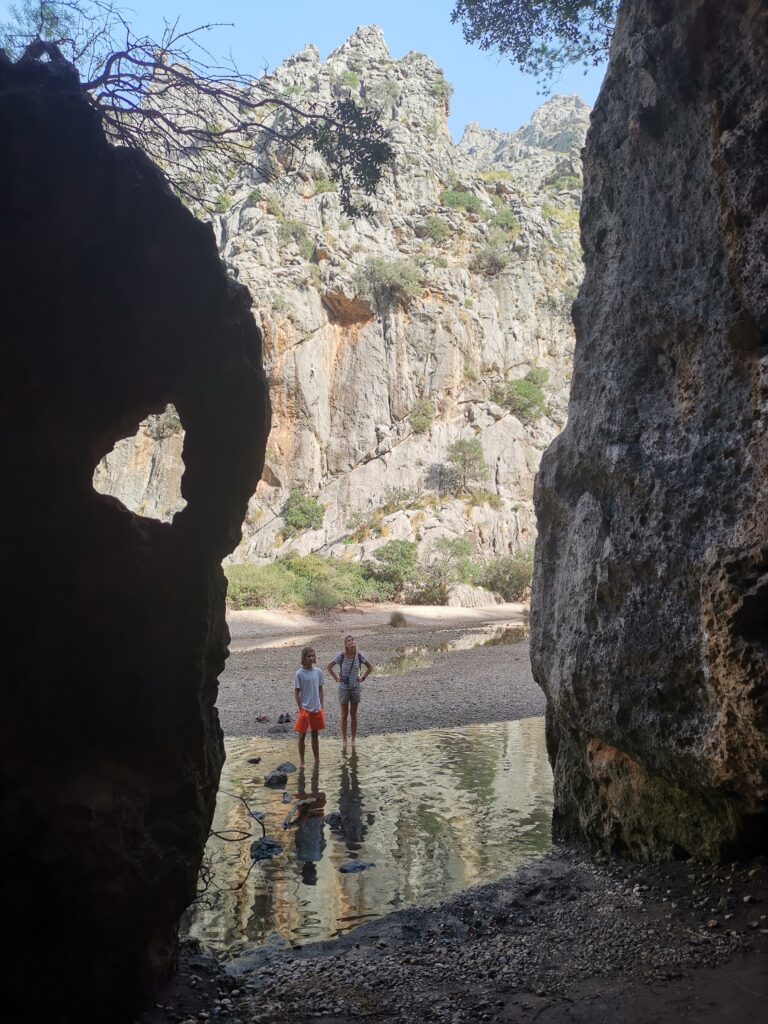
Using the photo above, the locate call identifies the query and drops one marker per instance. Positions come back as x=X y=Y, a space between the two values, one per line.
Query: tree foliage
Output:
x=191 y=115
x=468 y=461
x=540 y=36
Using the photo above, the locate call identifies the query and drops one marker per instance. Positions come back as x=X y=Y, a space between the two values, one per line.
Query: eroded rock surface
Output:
x=649 y=617
x=114 y=304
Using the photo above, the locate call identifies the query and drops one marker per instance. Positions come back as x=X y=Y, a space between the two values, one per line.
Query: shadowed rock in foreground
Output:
x=114 y=303
x=650 y=605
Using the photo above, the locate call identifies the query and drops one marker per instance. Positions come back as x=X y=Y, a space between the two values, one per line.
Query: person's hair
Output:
x=349 y=637
x=305 y=651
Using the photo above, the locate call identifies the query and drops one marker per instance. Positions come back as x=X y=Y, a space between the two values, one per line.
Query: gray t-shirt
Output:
x=309 y=681
x=349 y=668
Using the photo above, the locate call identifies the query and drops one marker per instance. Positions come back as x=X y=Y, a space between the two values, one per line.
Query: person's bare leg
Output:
x=353 y=715
x=344 y=713
x=302 y=745
x=315 y=738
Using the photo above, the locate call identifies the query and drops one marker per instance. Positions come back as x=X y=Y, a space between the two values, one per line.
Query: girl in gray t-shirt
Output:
x=345 y=669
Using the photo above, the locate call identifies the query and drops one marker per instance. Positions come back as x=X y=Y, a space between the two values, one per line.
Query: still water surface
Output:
x=433 y=812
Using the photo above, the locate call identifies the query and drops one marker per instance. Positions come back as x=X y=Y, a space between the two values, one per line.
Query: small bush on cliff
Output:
x=508 y=575
x=506 y=220
x=443 y=90
x=489 y=260
x=437 y=229
x=302 y=512
x=296 y=232
x=525 y=397
x=389 y=282
x=461 y=200
x=421 y=415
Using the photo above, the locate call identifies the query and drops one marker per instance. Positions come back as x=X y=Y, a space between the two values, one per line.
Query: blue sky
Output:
x=488 y=89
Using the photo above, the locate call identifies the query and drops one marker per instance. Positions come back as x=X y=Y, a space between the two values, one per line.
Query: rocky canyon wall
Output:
x=485 y=236
x=114 y=304
x=650 y=604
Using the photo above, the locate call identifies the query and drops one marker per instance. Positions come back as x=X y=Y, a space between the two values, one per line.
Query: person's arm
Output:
x=330 y=668
x=297 y=692
x=368 y=669
x=320 y=687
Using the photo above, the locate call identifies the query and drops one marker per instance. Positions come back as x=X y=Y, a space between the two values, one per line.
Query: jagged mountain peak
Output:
x=366 y=42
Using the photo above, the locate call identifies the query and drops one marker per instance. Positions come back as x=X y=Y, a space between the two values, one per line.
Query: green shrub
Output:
x=389 y=282
x=437 y=229
x=302 y=512
x=509 y=575
x=461 y=200
x=490 y=259
x=421 y=415
x=306 y=581
x=324 y=185
x=442 y=89
x=223 y=203
x=254 y=196
x=468 y=303
x=399 y=559
x=296 y=232
x=507 y=221
x=525 y=397
x=350 y=80
x=564 y=183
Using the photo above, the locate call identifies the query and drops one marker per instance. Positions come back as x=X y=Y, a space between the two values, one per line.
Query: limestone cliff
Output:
x=484 y=234
x=114 y=304
x=650 y=603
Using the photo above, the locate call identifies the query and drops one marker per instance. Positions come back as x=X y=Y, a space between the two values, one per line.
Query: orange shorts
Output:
x=307 y=721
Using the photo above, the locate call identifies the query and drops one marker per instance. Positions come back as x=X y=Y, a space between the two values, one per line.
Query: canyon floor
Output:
x=444 y=667
x=567 y=940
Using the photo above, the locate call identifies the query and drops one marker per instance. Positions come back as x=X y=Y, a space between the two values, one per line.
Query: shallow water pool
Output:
x=433 y=812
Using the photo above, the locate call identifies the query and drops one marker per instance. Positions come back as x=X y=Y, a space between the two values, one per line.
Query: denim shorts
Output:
x=349 y=694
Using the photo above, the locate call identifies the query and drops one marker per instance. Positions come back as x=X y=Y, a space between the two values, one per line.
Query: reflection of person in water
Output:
x=307 y=812
x=351 y=804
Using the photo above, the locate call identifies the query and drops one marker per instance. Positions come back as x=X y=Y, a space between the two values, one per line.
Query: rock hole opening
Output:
x=144 y=471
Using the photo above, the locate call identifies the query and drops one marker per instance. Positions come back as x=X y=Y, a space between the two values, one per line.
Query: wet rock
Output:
x=353 y=867
x=265 y=848
x=333 y=820
x=287 y=767
x=276 y=778
x=287 y=798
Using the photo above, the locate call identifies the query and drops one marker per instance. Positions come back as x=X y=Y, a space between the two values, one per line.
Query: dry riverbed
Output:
x=447 y=666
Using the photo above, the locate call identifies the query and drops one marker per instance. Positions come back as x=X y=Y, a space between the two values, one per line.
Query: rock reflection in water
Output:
x=433 y=811
x=423 y=656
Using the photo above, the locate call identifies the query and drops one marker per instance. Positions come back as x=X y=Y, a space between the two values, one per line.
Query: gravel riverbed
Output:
x=426 y=685
x=566 y=939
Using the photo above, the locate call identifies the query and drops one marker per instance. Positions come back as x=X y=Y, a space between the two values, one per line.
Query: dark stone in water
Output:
x=287 y=798
x=265 y=849
x=354 y=867
x=254 y=760
x=275 y=778
x=287 y=767
x=333 y=820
